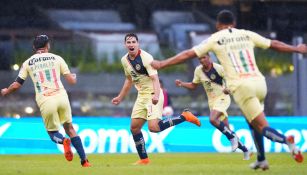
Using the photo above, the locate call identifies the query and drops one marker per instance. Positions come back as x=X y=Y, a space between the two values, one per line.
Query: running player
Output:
x=211 y=76
x=149 y=102
x=234 y=49
x=45 y=69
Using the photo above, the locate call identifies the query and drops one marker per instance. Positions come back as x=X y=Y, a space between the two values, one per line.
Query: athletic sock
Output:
x=226 y=131
x=273 y=135
x=76 y=142
x=258 y=140
x=242 y=147
x=56 y=137
x=140 y=145
x=170 y=121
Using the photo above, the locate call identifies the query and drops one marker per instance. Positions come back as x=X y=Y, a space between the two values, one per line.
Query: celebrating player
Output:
x=211 y=76
x=234 y=49
x=45 y=69
x=149 y=102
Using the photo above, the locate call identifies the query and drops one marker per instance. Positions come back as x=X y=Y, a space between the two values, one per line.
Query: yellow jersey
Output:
x=45 y=70
x=140 y=69
x=234 y=49
x=212 y=81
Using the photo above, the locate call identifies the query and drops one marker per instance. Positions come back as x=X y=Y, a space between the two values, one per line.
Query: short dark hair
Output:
x=225 y=17
x=40 y=41
x=131 y=35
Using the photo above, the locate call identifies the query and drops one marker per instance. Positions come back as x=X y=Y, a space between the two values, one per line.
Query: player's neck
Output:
x=208 y=68
x=43 y=50
x=133 y=55
x=222 y=27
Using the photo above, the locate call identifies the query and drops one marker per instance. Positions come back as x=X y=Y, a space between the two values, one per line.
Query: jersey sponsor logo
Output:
x=226 y=40
x=36 y=60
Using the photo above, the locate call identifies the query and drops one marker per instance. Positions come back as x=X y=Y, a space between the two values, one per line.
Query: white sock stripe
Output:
x=226 y=130
x=57 y=140
x=273 y=136
x=141 y=142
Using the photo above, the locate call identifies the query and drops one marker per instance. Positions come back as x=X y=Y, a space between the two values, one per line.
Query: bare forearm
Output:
x=12 y=88
x=156 y=85
x=283 y=47
x=179 y=58
x=188 y=85
x=126 y=88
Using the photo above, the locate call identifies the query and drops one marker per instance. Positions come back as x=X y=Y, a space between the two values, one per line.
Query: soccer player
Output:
x=234 y=49
x=211 y=76
x=149 y=102
x=45 y=69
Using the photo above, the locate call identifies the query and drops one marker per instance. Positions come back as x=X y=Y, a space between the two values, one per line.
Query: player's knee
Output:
x=135 y=130
x=213 y=121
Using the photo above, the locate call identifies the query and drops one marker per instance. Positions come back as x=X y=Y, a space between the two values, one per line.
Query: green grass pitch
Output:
x=161 y=164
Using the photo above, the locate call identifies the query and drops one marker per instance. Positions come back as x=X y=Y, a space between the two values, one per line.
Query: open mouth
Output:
x=131 y=49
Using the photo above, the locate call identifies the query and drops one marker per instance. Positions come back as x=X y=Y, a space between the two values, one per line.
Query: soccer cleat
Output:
x=190 y=117
x=85 y=163
x=296 y=153
x=234 y=143
x=142 y=162
x=247 y=155
x=264 y=165
x=67 y=150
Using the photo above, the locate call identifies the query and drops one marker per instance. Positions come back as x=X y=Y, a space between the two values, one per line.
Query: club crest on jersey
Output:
x=212 y=76
x=138 y=67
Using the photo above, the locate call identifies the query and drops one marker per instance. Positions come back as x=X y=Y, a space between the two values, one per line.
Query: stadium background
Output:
x=89 y=36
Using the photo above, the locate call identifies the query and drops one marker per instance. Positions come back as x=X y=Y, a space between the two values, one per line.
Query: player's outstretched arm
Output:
x=283 y=47
x=188 y=85
x=71 y=78
x=179 y=58
x=124 y=91
x=12 y=88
